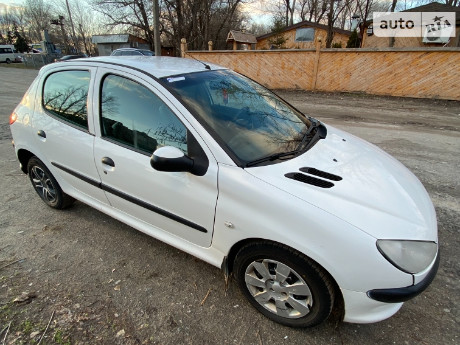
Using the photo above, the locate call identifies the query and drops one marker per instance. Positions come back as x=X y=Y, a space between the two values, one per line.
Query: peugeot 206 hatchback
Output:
x=305 y=216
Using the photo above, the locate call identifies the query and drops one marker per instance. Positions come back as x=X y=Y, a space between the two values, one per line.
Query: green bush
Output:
x=354 y=41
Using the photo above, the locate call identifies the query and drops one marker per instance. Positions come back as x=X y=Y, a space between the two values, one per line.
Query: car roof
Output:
x=158 y=66
x=130 y=49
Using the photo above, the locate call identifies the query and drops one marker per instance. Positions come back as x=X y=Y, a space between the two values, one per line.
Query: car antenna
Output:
x=194 y=58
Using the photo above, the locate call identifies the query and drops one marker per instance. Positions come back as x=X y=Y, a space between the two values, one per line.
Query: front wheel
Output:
x=46 y=185
x=284 y=285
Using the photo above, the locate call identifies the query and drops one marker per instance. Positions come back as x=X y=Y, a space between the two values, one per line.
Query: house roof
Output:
x=437 y=7
x=241 y=37
x=306 y=23
x=115 y=38
x=432 y=7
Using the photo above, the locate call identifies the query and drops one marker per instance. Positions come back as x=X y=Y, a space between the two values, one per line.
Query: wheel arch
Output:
x=338 y=311
x=24 y=156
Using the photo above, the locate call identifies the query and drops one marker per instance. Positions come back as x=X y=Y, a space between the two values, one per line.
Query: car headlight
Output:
x=408 y=256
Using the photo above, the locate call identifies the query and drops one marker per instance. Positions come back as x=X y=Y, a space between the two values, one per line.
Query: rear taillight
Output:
x=13 y=117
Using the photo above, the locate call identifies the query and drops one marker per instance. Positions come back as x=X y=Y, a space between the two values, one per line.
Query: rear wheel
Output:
x=8 y=61
x=46 y=185
x=284 y=285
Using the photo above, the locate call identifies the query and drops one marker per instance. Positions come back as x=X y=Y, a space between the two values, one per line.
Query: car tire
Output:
x=46 y=185
x=8 y=61
x=283 y=284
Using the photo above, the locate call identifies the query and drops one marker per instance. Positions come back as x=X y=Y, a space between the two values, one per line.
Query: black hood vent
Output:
x=319 y=173
x=309 y=180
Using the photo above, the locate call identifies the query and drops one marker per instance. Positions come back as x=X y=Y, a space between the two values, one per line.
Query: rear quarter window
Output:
x=65 y=94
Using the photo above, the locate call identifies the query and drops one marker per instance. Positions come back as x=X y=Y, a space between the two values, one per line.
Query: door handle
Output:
x=41 y=133
x=108 y=161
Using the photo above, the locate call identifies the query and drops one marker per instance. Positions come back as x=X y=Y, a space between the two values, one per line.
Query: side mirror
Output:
x=169 y=158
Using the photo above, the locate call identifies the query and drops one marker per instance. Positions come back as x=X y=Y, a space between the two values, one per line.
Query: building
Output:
x=370 y=40
x=106 y=44
x=303 y=36
x=241 y=40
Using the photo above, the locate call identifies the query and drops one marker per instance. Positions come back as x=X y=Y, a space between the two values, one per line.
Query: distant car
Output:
x=71 y=57
x=132 y=51
x=7 y=53
x=307 y=217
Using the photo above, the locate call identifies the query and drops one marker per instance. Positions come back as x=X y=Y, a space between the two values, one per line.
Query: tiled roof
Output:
x=241 y=37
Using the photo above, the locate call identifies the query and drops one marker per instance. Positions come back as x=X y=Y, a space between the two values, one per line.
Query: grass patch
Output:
x=61 y=338
x=26 y=327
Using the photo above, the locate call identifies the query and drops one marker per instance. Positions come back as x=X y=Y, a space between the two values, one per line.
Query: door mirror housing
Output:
x=171 y=159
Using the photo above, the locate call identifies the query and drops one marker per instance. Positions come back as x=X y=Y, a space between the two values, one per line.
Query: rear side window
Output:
x=135 y=117
x=65 y=94
x=130 y=53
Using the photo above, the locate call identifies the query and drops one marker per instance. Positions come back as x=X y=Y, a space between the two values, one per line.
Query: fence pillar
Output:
x=183 y=47
x=210 y=45
x=315 y=68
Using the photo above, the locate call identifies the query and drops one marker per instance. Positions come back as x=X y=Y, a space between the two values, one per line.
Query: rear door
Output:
x=64 y=131
x=135 y=119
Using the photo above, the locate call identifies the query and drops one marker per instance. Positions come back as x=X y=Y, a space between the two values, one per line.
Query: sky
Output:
x=257 y=10
x=10 y=2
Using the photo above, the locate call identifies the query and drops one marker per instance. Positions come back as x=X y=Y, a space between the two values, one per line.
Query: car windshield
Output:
x=247 y=118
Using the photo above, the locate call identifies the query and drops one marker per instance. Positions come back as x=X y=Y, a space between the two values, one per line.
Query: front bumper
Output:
x=397 y=295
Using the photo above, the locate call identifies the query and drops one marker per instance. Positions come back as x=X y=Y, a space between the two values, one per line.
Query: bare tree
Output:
x=392 y=9
x=312 y=10
x=258 y=29
x=200 y=21
x=335 y=8
x=37 y=14
x=453 y=2
x=289 y=8
x=84 y=25
x=133 y=16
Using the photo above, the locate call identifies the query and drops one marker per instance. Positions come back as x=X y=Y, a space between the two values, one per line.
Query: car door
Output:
x=134 y=120
x=64 y=132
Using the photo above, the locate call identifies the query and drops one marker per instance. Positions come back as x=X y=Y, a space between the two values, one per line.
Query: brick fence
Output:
x=421 y=73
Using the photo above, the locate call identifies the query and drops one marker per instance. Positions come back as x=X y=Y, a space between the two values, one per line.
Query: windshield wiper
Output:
x=272 y=157
x=314 y=124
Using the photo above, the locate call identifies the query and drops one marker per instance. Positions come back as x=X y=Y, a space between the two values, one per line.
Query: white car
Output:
x=307 y=217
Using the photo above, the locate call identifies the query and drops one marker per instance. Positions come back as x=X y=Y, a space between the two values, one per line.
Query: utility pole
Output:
x=60 y=22
x=156 y=28
x=73 y=29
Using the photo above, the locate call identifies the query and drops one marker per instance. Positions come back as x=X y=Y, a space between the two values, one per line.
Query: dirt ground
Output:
x=81 y=277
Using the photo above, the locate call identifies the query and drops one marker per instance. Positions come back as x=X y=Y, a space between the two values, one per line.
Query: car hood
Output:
x=376 y=193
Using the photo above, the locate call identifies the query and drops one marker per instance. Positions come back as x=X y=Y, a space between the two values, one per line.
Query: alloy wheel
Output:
x=278 y=288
